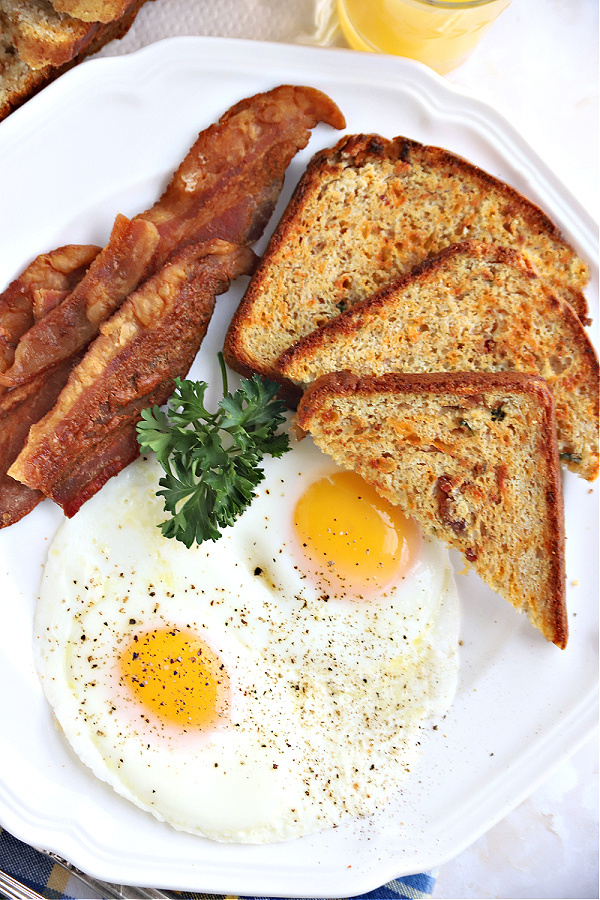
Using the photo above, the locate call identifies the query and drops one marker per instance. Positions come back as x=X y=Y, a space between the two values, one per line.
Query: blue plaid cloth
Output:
x=39 y=872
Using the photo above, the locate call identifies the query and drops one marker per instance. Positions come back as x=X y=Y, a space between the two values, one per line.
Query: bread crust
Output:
x=20 y=81
x=313 y=268
x=500 y=316
x=42 y=36
x=325 y=411
x=92 y=10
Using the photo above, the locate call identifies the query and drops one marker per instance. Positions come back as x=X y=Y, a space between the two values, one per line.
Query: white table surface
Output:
x=539 y=67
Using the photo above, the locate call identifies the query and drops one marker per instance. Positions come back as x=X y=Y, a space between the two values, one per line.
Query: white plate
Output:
x=105 y=138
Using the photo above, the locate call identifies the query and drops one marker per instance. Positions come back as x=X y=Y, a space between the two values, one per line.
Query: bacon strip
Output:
x=90 y=434
x=19 y=409
x=115 y=272
x=44 y=282
x=226 y=187
x=229 y=183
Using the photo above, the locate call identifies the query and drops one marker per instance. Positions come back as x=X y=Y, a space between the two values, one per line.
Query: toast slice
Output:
x=473 y=307
x=92 y=10
x=51 y=47
x=367 y=211
x=42 y=36
x=473 y=458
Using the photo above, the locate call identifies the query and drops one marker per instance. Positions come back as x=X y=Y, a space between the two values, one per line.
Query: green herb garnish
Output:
x=498 y=414
x=212 y=460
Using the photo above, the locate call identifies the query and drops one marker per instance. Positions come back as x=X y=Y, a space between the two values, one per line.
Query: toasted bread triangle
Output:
x=473 y=458
x=368 y=210
x=474 y=306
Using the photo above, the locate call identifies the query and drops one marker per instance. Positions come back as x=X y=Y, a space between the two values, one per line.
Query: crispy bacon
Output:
x=69 y=327
x=229 y=182
x=19 y=409
x=45 y=299
x=43 y=284
x=226 y=188
x=90 y=434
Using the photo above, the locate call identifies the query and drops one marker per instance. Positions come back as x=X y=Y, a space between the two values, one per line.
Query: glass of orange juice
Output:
x=440 y=33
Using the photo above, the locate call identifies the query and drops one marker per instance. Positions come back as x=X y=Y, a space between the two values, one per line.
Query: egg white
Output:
x=327 y=693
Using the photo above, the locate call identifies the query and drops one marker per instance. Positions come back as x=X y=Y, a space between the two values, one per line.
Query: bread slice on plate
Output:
x=474 y=306
x=473 y=458
x=367 y=211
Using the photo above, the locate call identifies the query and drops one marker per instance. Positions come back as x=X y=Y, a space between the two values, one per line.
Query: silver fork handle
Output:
x=14 y=890
x=106 y=890
x=11 y=889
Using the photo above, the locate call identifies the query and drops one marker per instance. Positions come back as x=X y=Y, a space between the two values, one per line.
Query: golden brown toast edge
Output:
x=355 y=150
x=346 y=385
x=349 y=322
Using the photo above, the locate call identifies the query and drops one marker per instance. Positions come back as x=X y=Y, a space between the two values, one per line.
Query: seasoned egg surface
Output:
x=260 y=687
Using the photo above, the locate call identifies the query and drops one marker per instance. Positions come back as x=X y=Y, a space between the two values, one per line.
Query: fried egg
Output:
x=260 y=687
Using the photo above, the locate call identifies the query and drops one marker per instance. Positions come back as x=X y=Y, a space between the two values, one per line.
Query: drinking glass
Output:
x=440 y=33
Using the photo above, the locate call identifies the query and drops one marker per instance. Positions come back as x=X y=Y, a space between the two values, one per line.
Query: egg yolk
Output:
x=352 y=536
x=175 y=676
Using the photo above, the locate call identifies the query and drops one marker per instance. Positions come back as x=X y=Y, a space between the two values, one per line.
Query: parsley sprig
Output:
x=212 y=460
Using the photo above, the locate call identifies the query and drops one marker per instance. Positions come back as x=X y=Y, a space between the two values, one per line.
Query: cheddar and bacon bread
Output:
x=40 y=40
x=92 y=10
x=368 y=210
x=43 y=37
x=473 y=458
x=473 y=307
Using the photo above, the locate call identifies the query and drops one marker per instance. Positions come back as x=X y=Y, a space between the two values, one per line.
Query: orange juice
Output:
x=440 y=33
